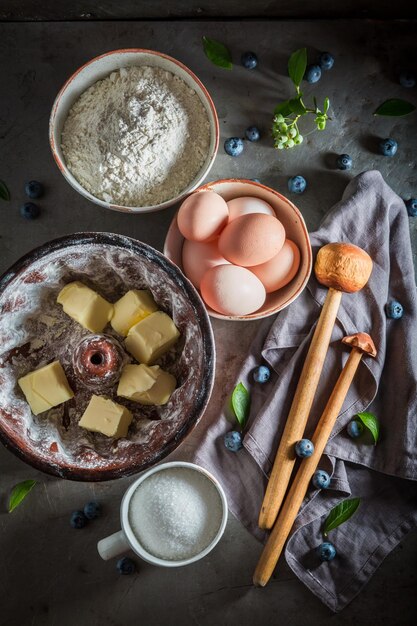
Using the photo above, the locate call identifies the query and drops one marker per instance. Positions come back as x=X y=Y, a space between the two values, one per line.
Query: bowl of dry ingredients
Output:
x=134 y=130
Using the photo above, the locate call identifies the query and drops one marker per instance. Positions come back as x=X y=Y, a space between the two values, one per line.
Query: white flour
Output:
x=136 y=138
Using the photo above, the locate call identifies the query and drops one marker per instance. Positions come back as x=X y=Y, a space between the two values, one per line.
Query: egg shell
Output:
x=232 y=290
x=246 y=205
x=202 y=216
x=252 y=239
x=281 y=269
x=198 y=257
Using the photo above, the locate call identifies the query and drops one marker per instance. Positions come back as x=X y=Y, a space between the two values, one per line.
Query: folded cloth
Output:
x=373 y=217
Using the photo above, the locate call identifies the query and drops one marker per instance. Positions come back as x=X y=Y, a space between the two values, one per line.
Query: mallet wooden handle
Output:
x=294 y=499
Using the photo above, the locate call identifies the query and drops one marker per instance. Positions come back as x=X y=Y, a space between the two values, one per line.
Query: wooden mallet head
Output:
x=343 y=266
x=362 y=342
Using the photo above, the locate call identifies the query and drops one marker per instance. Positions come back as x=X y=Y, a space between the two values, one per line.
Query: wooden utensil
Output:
x=361 y=344
x=342 y=267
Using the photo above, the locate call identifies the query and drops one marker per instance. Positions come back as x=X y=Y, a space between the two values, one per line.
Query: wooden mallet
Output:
x=342 y=267
x=361 y=343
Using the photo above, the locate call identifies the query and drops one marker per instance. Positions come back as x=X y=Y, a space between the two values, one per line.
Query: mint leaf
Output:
x=4 y=192
x=217 y=53
x=283 y=108
x=370 y=421
x=395 y=108
x=297 y=66
x=19 y=493
x=241 y=404
x=340 y=514
x=297 y=106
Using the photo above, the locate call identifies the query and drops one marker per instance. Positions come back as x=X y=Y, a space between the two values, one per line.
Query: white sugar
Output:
x=175 y=513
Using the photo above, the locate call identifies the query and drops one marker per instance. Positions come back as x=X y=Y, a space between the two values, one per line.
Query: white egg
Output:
x=248 y=204
x=232 y=290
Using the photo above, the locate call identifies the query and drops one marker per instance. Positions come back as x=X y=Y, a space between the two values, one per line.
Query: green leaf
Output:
x=297 y=66
x=217 y=53
x=370 y=421
x=19 y=493
x=4 y=192
x=241 y=403
x=283 y=108
x=297 y=106
x=395 y=108
x=340 y=514
x=326 y=105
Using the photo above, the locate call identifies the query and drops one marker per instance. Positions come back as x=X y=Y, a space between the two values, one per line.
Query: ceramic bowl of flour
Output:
x=134 y=130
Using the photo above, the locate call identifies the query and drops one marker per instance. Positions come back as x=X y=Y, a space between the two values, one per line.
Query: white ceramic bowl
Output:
x=97 y=69
x=295 y=229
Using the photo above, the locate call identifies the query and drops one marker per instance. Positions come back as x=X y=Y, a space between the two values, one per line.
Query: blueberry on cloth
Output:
x=394 y=310
x=388 y=147
x=326 y=551
x=297 y=184
x=261 y=374
x=355 y=429
x=326 y=60
x=29 y=210
x=78 y=519
x=252 y=133
x=233 y=146
x=249 y=60
x=321 y=479
x=92 y=510
x=344 y=162
x=34 y=189
x=304 y=448
x=126 y=566
x=233 y=441
x=407 y=80
x=411 y=206
x=312 y=73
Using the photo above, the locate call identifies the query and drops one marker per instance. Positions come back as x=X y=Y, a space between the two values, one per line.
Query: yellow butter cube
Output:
x=106 y=417
x=146 y=385
x=85 y=306
x=133 y=307
x=46 y=387
x=150 y=338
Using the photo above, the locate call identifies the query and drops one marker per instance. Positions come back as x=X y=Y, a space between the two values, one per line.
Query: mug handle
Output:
x=113 y=545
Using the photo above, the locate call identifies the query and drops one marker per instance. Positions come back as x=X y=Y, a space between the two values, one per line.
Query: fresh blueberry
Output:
x=326 y=551
x=326 y=61
x=33 y=189
x=388 y=147
x=261 y=374
x=249 y=60
x=321 y=479
x=304 y=448
x=344 y=162
x=78 y=519
x=92 y=510
x=355 y=429
x=297 y=184
x=233 y=146
x=255 y=180
x=126 y=566
x=407 y=80
x=394 y=310
x=252 y=133
x=312 y=73
x=233 y=441
x=29 y=210
x=411 y=206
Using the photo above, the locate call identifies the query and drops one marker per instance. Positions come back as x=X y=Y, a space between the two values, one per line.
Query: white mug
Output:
x=125 y=539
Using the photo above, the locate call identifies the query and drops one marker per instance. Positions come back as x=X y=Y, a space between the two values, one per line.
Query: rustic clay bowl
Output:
x=34 y=331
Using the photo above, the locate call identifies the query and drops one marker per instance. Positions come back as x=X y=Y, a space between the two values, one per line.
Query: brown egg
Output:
x=252 y=239
x=202 y=216
x=198 y=257
x=281 y=269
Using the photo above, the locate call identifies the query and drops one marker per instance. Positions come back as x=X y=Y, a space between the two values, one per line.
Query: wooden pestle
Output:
x=361 y=344
x=342 y=267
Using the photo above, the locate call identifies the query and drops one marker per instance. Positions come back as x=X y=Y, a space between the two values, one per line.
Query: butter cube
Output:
x=133 y=307
x=106 y=417
x=85 y=306
x=146 y=385
x=150 y=338
x=46 y=387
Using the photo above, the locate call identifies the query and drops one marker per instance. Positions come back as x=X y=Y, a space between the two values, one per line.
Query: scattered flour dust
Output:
x=136 y=138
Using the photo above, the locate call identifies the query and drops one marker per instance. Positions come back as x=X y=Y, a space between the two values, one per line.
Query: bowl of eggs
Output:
x=244 y=246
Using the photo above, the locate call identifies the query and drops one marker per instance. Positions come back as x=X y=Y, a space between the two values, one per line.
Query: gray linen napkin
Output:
x=373 y=217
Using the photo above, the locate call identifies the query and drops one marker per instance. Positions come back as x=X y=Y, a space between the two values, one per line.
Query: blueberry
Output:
x=255 y=180
x=407 y=80
x=388 y=147
x=261 y=374
x=249 y=60
x=312 y=73
x=33 y=189
x=126 y=566
x=29 y=210
x=326 y=61
x=233 y=441
x=92 y=510
x=321 y=479
x=394 y=310
x=233 y=146
x=252 y=133
x=344 y=162
x=297 y=184
x=78 y=519
x=411 y=206
x=326 y=551
x=355 y=429
x=304 y=448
